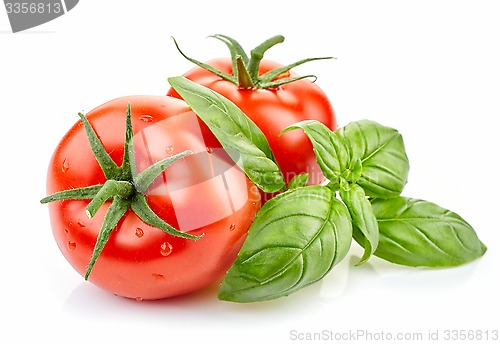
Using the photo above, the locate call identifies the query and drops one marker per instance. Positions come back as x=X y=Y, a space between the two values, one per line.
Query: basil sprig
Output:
x=361 y=159
x=298 y=236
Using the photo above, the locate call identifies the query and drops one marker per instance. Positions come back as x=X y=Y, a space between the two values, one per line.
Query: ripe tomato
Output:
x=272 y=108
x=204 y=193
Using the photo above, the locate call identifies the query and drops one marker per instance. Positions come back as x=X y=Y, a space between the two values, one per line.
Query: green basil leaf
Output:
x=298 y=181
x=241 y=138
x=295 y=240
x=363 y=219
x=419 y=233
x=332 y=153
x=384 y=162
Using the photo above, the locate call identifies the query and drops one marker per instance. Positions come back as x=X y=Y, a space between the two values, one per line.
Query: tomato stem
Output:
x=244 y=79
x=245 y=71
x=257 y=54
x=123 y=186
x=110 y=189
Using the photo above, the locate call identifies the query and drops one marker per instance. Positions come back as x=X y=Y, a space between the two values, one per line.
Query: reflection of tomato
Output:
x=273 y=110
x=203 y=193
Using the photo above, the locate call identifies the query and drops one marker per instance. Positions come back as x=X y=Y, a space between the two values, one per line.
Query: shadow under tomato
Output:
x=91 y=302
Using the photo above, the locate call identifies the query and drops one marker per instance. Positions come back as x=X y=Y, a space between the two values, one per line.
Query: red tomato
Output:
x=273 y=110
x=203 y=193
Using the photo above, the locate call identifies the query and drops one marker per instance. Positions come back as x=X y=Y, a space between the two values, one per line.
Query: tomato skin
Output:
x=273 y=110
x=140 y=261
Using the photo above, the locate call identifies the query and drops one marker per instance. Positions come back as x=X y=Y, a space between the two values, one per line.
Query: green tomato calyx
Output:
x=245 y=69
x=124 y=187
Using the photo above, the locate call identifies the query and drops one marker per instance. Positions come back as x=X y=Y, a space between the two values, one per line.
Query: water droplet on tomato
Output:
x=146 y=118
x=232 y=227
x=166 y=249
x=65 y=166
x=210 y=150
x=138 y=298
x=80 y=223
x=158 y=277
x=139 y=232
x=71 y=245
x=169 y=150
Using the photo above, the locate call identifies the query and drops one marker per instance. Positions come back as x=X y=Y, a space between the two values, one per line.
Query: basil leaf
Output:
x=295 y=240
x=298 y=181
x=419 y=233
x=363 y=219
x=384 y=162
x=241 y=138
x=332 y=153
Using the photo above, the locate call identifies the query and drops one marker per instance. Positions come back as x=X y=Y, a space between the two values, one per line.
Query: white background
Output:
x=428 y=68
